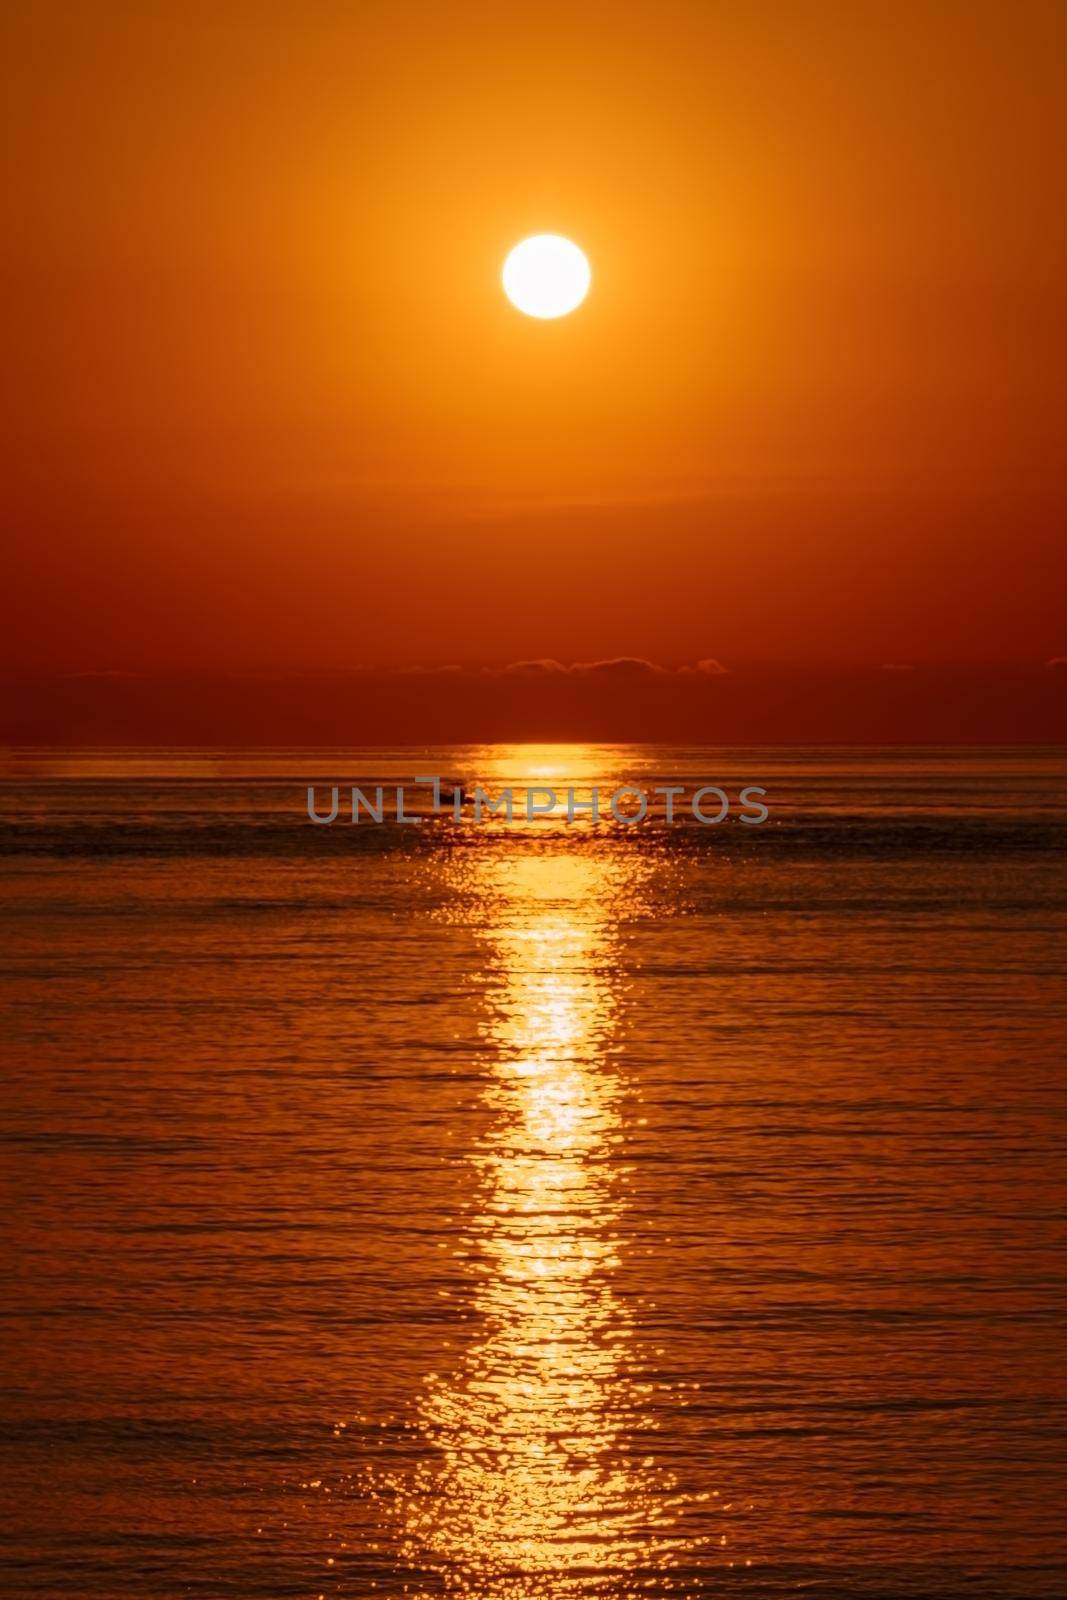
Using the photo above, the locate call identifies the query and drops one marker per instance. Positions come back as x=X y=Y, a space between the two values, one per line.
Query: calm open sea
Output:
x=534 y=1212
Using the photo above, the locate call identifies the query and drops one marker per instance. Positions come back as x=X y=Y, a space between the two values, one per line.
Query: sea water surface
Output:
x=534 y=1211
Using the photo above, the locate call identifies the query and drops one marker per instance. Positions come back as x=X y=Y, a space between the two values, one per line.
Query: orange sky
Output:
x=271 y=410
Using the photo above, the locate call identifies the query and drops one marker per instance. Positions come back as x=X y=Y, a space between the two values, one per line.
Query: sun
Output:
x=546 y=276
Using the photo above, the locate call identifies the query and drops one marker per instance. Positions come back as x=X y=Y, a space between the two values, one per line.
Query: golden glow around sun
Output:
x=546 y=276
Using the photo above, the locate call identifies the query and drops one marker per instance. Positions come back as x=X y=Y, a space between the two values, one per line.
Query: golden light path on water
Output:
x=542 y=1482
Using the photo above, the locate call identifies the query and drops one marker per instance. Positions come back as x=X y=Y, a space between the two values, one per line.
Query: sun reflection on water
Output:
x=541 y=1482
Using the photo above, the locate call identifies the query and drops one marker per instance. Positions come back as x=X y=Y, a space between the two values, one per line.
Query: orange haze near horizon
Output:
x=271 y=410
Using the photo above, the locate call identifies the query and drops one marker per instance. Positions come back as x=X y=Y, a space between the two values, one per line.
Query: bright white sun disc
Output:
x=546 y=276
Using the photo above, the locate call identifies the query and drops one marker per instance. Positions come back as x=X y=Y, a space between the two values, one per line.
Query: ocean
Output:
x=541 y=1210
